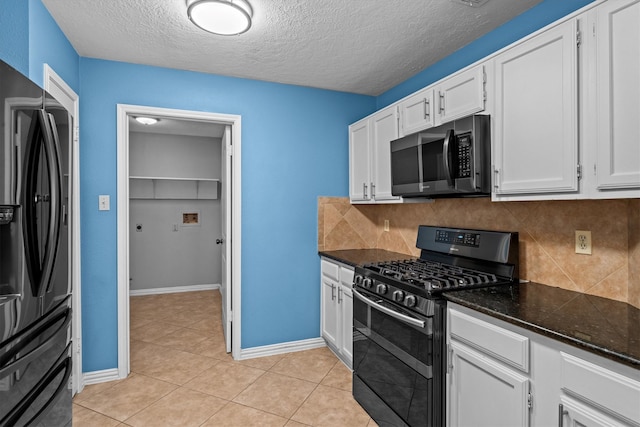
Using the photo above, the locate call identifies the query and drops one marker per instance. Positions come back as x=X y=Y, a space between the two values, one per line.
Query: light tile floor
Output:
x=182 y=376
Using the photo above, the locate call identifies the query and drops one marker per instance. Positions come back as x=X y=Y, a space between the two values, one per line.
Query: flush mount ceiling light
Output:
x=147 y=120
x=223 y=17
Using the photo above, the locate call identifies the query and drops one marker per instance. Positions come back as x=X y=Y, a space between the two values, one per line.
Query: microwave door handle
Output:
x=445 y=154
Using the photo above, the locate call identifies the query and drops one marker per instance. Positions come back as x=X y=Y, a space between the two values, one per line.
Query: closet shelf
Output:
x=170 y=188
x=170 y=178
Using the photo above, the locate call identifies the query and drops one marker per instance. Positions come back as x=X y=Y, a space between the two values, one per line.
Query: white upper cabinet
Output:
x=384 y=129
x=359 y=161
x=370 y=157
x=454 y=97
x=535 y=140
x=617 y=163
x=460 y=95
x=417 y=112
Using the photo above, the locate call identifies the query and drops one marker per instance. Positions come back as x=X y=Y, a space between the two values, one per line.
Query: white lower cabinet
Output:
x=336 y=312
x=503 y=375
x=593 y=395
x=484 y=392
x=488 y=383
x=572 y=413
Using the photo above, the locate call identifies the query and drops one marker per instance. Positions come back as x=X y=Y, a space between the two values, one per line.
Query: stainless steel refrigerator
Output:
x=35 y=288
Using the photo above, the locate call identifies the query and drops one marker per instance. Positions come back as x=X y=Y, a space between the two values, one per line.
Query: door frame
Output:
x=123 y=113
x=55 y=85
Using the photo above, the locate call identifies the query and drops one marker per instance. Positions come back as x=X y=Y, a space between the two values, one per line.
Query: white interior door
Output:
x=225 y=205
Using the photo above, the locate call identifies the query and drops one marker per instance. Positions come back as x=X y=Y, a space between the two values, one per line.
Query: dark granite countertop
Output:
x=355 y=257
x=605 y=327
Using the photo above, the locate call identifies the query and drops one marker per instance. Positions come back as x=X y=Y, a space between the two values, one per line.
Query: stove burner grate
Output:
x=434 y=276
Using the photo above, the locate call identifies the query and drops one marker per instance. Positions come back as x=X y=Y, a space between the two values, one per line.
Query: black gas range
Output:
x=399 y=333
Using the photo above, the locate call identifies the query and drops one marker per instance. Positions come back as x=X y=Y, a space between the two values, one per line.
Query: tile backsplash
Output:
x=546 y=230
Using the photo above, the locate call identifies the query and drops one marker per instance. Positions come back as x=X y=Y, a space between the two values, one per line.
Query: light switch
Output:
x=103 y=202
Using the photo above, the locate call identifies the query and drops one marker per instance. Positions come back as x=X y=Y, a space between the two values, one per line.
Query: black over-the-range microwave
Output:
x=451 y=160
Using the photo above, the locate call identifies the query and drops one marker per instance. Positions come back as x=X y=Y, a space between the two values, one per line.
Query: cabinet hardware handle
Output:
x=426 y=109
x=441 y=102
x=339 y=295
x=364 y=190
x=333 y=292
x=561 y=413
x=373 y=190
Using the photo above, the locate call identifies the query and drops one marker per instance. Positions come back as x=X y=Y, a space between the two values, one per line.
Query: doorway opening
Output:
x=225 y=128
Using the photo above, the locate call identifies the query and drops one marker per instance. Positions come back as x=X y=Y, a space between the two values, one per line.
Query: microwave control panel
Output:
x=464 y=155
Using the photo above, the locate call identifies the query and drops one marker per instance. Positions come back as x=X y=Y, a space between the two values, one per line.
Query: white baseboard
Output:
x=103 y=376
x=173 y=289
x=287 y=347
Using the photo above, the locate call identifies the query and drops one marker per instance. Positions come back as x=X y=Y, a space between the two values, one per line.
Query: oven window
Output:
x=394 y=360
x=412 y=344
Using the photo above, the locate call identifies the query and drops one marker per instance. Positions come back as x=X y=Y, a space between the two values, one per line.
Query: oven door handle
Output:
x=404 y=318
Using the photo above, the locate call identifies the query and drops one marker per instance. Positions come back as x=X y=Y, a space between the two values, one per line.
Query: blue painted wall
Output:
x=14 y=34
x=49 y=45
x=294 y=148
x=528 y=22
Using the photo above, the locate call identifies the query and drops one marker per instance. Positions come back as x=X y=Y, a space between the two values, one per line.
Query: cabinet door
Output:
x=618 y=59
x=346 y=312
x=384 y=129
x=329 y=311
x=461 y=95
x=535 y=140
x=359 y=158
x=483 y=392
x=416 y=112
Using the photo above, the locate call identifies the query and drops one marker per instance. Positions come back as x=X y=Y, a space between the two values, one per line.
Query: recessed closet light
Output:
x=147 y=120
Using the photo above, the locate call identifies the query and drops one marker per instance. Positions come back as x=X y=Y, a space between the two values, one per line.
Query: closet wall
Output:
x=173 y=180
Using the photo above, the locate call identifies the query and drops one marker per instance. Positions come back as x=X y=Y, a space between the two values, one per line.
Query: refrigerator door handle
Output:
x=55 y=200
x=63 y=364
x=41 y=269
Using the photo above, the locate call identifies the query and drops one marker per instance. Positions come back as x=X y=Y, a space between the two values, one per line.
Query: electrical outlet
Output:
x=386 y=225
x=583 y=242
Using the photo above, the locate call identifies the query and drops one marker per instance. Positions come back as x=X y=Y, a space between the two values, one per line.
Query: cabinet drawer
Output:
x=330 y=270
x=346 y=277
x=604 y=389
x=500 y=343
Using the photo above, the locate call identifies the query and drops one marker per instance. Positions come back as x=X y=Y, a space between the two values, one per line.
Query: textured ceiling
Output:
x=359 y=46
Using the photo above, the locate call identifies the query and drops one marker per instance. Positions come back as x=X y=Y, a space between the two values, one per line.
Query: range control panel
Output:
x=458 y=238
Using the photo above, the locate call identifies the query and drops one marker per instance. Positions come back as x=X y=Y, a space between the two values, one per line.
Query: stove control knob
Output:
x=410 y=301
x=367 y=283
x=358 y=280
x=381 y=289
x=398 y=296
